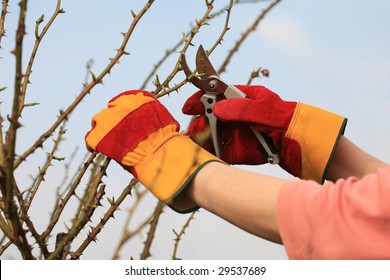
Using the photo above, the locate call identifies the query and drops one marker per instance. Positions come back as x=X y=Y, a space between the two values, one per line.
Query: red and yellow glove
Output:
x=138 y=132
x=305 y=136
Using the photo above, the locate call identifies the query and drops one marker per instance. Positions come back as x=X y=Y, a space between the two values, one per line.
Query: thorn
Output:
x=58 y=158
x=93 y=75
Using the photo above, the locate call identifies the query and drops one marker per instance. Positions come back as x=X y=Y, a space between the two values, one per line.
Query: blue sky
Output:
x=331 y=54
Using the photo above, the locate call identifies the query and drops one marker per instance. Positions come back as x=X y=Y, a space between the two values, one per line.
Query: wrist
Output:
x=317 y=131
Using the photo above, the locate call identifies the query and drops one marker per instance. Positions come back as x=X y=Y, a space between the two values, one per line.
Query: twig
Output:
x=92 y=202
x=87 y=89
x=2 y=19
x=203 y=21
x=70 y=193
x=172 y=50
x=89 y=209
x=153 y=226
x=43 y=170
x=67 y=166
x=18 y=236
x=245 y=35
x=95 y=170
x=187 y=42
x=225 y=28
x=126 y=234
x=4 y=227
x=180 y=235
x=2 y=146
x=24 y=217
x=38 y=39
x=168 y=52
x=109 y=214
x=256 y=74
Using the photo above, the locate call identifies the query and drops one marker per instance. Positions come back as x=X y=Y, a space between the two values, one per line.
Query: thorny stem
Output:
x=90 y=205
x=70 y=193
x=109 y=214
x=11 y=133
x=126 y=234
x=206 y=17
x=42 y=172
x=87 y=89
x=225 y=28
x=38 y=39
x=187 y=43
x=153 y=226
x=164 y=86
x=67 y=166
x=2 y=19
x=75 y=230
x=26 y=219
x=17 y=234
x=161 y=61
x=180 y=235
x=2 y=147
x=245 y=35
x=4 y=227
x=175 y=47
x=94 y=171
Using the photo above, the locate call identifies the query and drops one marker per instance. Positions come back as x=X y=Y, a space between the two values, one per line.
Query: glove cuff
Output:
x=317 y=131
x=171 y=168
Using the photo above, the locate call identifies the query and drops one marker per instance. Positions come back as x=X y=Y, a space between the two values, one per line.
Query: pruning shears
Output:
x=214 y=89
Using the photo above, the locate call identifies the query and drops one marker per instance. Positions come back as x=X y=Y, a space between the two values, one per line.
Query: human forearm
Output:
x=245 y=199
x=350 y=160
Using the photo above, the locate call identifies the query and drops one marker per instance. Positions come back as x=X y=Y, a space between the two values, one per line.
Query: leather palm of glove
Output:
x=138 y=132
x=305 y=136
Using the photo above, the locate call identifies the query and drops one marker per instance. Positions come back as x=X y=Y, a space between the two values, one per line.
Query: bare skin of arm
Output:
x=249 y=200
x=349 y=160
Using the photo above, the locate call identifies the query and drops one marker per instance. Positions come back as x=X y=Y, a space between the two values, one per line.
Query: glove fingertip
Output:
x=193 y=105
x=192 y=108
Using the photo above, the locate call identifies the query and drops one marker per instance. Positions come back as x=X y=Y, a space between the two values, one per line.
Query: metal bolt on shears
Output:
x=213 y=88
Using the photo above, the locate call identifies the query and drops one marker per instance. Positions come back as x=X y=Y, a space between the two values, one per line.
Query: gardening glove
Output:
x=305 y=136
x=138 y=132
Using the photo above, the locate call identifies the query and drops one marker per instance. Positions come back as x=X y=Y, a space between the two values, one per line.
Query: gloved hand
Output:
x=305 y=136
x=138 y=132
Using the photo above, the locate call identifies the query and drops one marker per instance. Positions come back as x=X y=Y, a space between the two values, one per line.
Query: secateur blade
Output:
x=203 y=64
x=208 y=84
x=208 y=80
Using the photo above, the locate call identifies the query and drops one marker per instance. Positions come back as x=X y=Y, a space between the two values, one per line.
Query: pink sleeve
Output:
x=349 y=219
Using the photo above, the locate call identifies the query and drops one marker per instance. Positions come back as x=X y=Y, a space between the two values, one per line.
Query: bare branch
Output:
x=153 y=226
x=109 y=214
x=70 y=193
x=126 y=234
x=2 y=19
x=245 y=35
x=180 y=235
x=87 y=89
x=162 y=89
